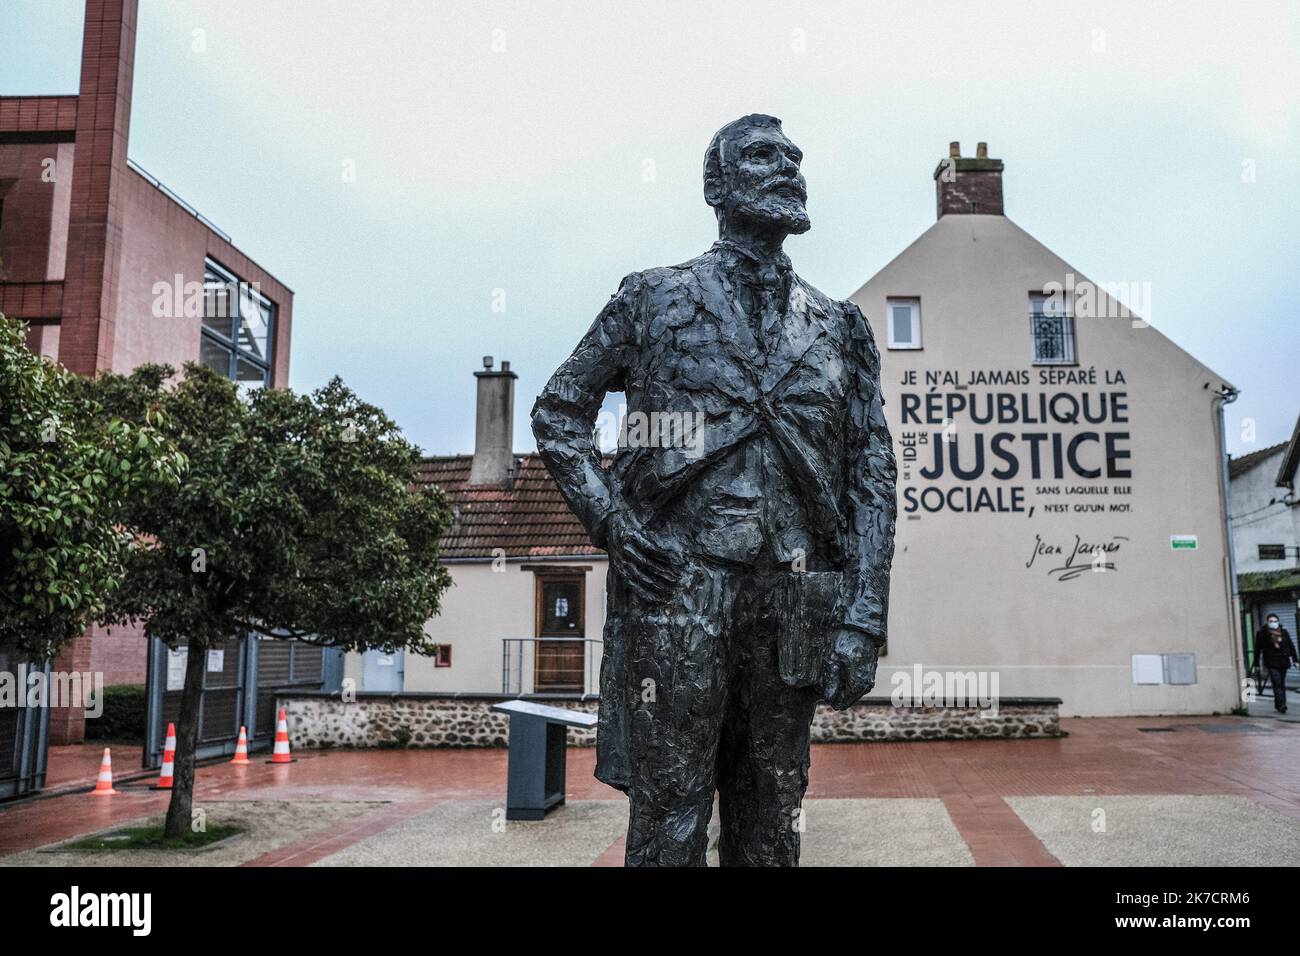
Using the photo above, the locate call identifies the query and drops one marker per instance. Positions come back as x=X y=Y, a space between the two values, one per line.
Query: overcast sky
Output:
x=547 y=149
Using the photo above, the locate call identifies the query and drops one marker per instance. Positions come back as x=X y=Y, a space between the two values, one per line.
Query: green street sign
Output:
x=1182 y=542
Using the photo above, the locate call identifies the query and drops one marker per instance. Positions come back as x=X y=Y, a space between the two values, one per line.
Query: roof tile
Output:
x=1239 y=466
x=529 y=519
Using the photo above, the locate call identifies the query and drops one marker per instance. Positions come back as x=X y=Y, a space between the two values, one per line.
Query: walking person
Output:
x=1273 y=644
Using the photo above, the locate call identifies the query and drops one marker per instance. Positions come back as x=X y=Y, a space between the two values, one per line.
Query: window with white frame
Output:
x=904 y=318
x=1052 y=329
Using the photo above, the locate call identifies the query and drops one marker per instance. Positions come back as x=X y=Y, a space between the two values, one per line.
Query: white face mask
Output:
x=1273 y=625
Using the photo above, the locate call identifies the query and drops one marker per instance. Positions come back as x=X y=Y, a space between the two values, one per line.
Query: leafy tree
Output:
x=67 y=473
x=297 y=518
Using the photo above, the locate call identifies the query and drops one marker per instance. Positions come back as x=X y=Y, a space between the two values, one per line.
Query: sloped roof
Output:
x=1239 y=466
x=972 y=230
x=527 y=520
x=1291 y=460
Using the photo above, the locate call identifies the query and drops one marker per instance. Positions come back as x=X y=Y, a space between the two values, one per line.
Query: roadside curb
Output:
x=88 y=784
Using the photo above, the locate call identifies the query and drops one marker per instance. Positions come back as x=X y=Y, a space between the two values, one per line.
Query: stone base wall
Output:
x=428 y=720
x=881 y=720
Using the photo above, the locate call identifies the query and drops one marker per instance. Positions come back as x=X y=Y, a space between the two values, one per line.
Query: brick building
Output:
x=111 y=269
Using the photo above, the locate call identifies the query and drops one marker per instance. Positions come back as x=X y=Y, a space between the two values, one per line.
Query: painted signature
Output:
x=1083 y=556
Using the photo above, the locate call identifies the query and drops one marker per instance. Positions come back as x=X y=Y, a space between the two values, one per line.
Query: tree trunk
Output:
x=180 y=810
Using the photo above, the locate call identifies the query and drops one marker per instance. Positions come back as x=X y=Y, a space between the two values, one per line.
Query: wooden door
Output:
x=560 y=661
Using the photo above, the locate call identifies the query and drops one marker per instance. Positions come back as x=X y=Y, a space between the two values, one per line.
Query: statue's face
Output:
x=763 y=184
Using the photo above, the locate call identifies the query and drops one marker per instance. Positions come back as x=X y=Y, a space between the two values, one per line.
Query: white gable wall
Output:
x=962 y=596
x=482 y=607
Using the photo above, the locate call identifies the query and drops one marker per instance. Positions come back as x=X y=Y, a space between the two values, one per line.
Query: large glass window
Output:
x=238 y=323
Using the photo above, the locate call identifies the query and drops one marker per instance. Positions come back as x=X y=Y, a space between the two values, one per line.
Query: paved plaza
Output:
x=1184 y=791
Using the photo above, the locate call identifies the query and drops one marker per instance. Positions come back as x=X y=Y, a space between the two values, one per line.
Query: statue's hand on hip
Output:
x=849 y=670
x=650 y=569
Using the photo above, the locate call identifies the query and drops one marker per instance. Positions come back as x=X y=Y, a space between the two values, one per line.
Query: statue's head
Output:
x=752 y=178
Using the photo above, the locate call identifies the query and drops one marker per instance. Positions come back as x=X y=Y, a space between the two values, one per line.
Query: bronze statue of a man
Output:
x=749 y=551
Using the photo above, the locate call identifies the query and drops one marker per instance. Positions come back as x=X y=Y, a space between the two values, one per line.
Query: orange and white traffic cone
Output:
x=169 y=761
x=241 y=748
x=281 y=752
x=104 y=785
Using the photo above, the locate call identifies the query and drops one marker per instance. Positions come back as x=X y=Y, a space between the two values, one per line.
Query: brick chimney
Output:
x=965 y=185
x=494 y=456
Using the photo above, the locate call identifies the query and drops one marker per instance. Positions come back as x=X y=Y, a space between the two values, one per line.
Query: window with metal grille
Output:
x=1272 y=552
x=1052 y=328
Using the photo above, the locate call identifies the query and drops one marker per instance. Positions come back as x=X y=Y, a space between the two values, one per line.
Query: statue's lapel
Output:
x=803 y=328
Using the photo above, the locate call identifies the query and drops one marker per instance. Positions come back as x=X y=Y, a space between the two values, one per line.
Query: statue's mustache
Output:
x=785 y=183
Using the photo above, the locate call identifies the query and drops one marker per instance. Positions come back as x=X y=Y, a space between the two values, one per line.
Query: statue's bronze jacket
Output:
x=769 y=447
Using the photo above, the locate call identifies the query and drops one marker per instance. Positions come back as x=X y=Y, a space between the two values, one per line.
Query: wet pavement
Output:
x=73 y=764
x=987 y=802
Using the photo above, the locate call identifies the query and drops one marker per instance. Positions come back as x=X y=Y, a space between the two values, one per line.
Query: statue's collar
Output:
x=771 y=273
x=780 y=262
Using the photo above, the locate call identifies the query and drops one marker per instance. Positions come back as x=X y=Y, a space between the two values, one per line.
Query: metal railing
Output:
x=174 y=197
x=550 y=665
